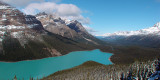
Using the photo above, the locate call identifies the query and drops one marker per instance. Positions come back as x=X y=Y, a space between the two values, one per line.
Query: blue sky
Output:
x=108 y=16
x=100 y=16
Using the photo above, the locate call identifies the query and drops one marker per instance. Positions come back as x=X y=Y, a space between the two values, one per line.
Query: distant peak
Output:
x=151 y=30
x=75 y=21
x=157 y=25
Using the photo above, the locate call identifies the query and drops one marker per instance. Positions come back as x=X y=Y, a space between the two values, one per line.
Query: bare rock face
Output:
x=56 y=25
x=77 y=26
x=33 y=23
x=53 y=52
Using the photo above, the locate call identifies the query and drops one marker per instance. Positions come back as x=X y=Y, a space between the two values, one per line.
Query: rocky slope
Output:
x=67 y=28
x=148 y=37
x=56 y=25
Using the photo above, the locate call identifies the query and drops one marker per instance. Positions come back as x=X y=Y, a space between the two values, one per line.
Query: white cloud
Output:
x=80 y=18
x=67 y=11
x=33 y=8
x=90 y=30
x=21 y=3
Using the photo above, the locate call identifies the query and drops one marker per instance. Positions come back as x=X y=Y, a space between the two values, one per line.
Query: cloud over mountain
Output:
x=67 y=11
x=90 y=30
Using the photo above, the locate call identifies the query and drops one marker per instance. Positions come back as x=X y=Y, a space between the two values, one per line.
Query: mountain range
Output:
x=148 y=37
x=27 y=37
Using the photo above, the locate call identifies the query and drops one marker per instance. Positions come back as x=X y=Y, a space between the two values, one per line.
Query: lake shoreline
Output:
x=59 y=56
x=111 y=60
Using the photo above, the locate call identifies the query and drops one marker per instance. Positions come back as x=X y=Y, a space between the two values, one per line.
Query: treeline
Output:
x=31 y=78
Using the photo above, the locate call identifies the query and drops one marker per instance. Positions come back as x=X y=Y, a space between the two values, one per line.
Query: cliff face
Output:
x=33 y=23
x=56 y=25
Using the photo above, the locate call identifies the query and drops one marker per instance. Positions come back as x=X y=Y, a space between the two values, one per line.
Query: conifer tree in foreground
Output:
x=15 y=77
x=156 y=74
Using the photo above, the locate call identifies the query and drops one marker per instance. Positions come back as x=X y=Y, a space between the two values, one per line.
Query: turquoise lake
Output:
x=44 y=67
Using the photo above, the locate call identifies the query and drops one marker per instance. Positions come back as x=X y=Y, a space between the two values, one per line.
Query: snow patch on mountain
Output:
x=41 y=16
x=91 y=41
x=6 y=7
x=2 y=27
x=32 y=25
x=67 y=21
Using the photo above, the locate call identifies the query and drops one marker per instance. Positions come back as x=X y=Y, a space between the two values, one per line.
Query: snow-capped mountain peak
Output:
x=151 y=30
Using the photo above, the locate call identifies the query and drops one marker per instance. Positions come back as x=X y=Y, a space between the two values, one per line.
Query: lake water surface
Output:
x=44 y=67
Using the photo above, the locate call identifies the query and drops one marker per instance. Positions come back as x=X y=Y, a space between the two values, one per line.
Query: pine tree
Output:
x=129 y=77
x=15 y=77
x=156 y=74
x=122 y=76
